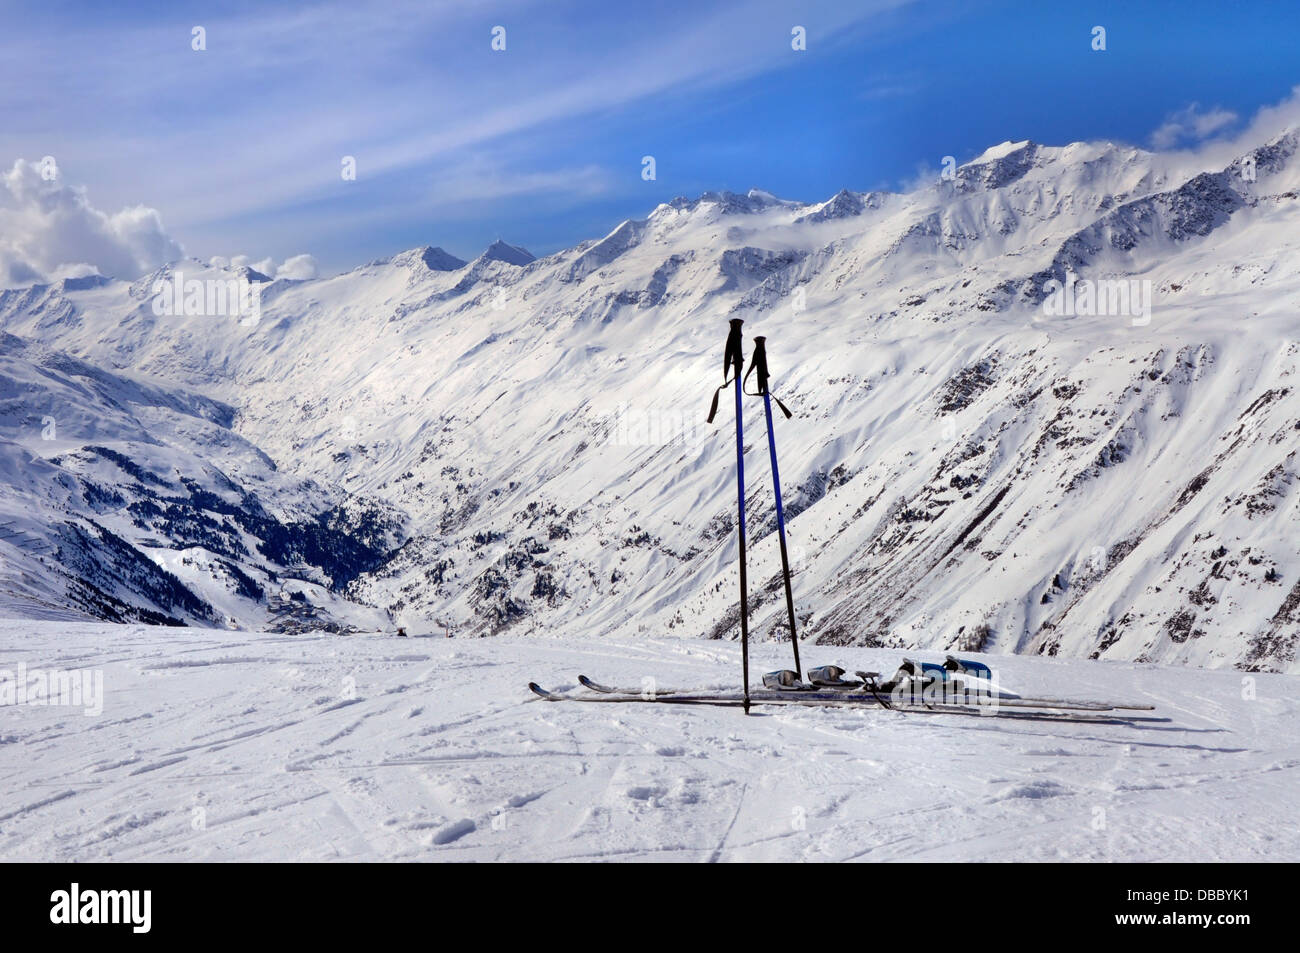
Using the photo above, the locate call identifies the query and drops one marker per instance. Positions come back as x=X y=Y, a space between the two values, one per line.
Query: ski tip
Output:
x=540 y=692
x=594 y=686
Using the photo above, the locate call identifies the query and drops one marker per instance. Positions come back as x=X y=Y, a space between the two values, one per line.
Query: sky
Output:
x=237 y=149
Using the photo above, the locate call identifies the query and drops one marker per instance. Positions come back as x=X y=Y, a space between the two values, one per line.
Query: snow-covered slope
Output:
x=964 y=468
x=129 y=501
x=245 y=746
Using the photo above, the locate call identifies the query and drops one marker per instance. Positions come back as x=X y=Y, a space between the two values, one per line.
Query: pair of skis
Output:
x=864 y=695
x=827 y=681
x=956 y=687
x=733 y=366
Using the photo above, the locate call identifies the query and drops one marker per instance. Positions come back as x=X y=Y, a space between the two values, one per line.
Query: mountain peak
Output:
x=725 y=202
x=510 y=254
x=84 y=282
x=1000 y=151
x=433 y=258
x=844 y=204
x=252 y=275
x=439 y=260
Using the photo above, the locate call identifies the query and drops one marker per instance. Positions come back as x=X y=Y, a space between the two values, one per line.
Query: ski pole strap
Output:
x=759 y=363
x=733 y=357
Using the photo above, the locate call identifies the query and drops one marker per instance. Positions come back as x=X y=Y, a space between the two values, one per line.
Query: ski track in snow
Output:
x=244 y=746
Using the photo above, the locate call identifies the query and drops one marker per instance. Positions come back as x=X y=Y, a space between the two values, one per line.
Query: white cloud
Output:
x=1212 y=154
x=1190 y=124
x=296 y=267
x=265 y=266
x=49 y=230
x=299 y=267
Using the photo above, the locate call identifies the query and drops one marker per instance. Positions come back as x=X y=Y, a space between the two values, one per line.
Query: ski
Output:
x=930 y=678
x=864 y=692
x=842 y=700
x=613 y=690
x=771 y=683
x=667 y=698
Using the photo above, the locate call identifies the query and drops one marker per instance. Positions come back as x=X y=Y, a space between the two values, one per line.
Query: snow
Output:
x=253 y=746
x=1000 y=151
x=523 y=440
x=510 y=254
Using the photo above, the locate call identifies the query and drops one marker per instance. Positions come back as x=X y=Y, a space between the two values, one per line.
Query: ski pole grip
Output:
x=735 y=353
x=759 y=363
x=732 y=358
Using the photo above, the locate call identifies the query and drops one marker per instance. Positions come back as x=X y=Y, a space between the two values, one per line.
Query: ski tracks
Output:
x=337 y=748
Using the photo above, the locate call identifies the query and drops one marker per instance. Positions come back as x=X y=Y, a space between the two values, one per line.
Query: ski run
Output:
x=221 y=745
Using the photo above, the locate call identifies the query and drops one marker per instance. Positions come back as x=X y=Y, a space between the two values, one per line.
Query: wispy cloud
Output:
x=880 y=88
x=299 y=267
x=261 y=119
x=1191 y=125
x=472 y=183
x=1216 y=151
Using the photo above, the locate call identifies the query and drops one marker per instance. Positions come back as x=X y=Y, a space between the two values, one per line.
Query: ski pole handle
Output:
x=735 y=353
x=759 y=363
x=733 y=362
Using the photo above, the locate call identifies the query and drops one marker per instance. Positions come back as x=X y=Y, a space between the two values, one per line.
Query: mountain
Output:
x=510 y=254
x=128 y=501
x=435 y=259
x=977 y=461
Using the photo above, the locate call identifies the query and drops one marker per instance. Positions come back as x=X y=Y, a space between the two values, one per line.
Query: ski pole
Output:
x=759 y=363
x=733 y=363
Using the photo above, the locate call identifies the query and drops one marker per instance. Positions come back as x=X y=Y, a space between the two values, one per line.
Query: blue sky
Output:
x=239 y=147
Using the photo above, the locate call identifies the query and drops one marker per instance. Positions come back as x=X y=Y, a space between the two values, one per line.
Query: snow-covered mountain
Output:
x=126 y=501
x=519 y=444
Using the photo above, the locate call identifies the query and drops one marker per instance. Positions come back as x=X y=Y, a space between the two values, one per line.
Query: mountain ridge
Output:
x=958 y=472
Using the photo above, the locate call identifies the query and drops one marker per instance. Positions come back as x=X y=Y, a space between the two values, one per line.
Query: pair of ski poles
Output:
x=733 y=368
